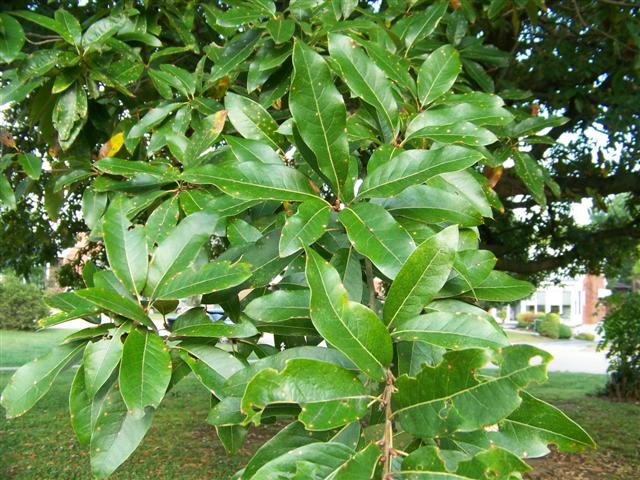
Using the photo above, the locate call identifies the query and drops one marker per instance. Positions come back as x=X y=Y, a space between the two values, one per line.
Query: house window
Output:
x=555 y=308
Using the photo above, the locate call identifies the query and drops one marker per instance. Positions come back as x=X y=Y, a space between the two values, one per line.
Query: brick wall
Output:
x=592 y=312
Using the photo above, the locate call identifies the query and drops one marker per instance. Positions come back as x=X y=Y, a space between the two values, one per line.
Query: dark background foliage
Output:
x=579 y=59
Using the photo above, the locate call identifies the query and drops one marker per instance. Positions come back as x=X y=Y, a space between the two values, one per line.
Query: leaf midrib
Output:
x=339 y=317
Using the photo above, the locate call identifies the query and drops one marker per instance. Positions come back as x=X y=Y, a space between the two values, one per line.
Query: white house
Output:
x=574 y=299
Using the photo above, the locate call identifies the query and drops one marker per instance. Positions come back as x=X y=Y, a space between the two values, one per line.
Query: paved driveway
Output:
x=574 y=356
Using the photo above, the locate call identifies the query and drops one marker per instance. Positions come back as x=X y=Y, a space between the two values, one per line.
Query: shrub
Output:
x=21 y=304
x=565 y=331
x=549 y=326
x=621 y=336
x=525 y=319
x=588 y=336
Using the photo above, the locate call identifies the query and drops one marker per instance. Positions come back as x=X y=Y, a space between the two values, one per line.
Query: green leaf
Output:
x=42 y=20
x=32 y=381
x=452 y=397
x=11 y=38
x=361 y=465
x=534 y=425
x=479 y=75
x=72 y=306
x=495 y=462
x=211 y=365
x=117 y=434
x=16 y=91
x=350 y=327
x=233 y=54
x=460 y=112
x=303 y=228
x=266 y=262
x=7 y=195
x=197 y=200
x=289 y=438
x=382 y=155
x=279 y=306
x=93 y=206
x=281 y=29
x=425 y=204
x=232 y=437
x=126 y=247
x=328 y=395
x=347 y=263
x=254 y=181
x=533 y=125
x=80 y=408
x=100 y=360
x=413 y=355
x=99 y=32
x=413 y=167
x=217 y=329
x=470 y=269
x=211 y=277
x=128 y=168
x=367 y=81
x=427 y=462
x=320 y=114
x=375 y=234
x=500 y=287
x=317 y=460
x=70 y=28
x=393 y=65
x=421 y=277
x=161 y=222
x=38 y=63
x=152 y=118
x=246 y=150
x=531 y=174
x=438 y=73
x=113 y=301
x=451 y=331
x=203 y=137
x=468 y=185
x=529 y=430
x=89 y=333
x=237 y=383
x=343 y=8
x=179 y=249
x=240 y=232
x=465 y=133
x=186 y=80
x=145 y=370
x=251 y=120
x=423 y=23
x=31 y=164
x=69 y=115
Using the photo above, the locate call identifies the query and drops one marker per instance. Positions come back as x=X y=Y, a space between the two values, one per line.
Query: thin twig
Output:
x=388 y=452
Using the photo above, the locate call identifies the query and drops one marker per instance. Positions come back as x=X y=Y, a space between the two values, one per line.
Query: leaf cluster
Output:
x=281 y=171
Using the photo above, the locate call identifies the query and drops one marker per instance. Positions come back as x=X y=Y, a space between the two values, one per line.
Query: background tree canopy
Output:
x=578 y=59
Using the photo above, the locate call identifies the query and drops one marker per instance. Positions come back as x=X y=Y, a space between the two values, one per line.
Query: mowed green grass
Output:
x=18 y=347
x=181 y=445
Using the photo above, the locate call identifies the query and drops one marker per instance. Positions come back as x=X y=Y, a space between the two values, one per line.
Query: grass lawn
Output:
x=525 y=337
x=182 y=445
x=18 y=347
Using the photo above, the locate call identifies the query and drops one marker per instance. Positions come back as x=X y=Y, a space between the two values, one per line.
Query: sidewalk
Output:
x=575 y=356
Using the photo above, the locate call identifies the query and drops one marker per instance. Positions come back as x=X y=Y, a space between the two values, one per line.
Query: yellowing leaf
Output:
x=111 y=147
